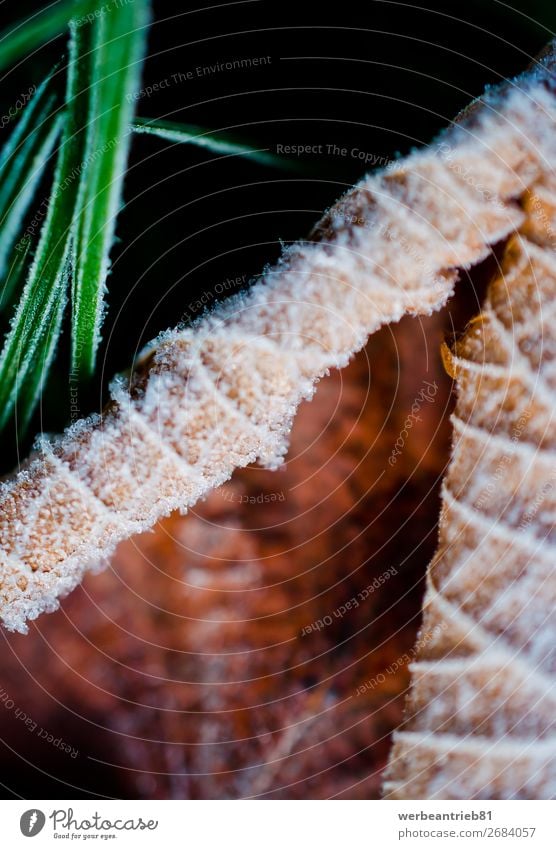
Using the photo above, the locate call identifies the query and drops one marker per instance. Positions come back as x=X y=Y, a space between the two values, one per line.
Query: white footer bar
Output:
x=277 y=824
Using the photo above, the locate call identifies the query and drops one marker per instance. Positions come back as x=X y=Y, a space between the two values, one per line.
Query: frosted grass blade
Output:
x=15 y=274
x=29 y=345
x=115 y=61
x=21 y=39
x=223 y=144
x=23 y=160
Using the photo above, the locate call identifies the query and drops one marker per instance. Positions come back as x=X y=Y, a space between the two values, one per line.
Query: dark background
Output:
x=378 y=76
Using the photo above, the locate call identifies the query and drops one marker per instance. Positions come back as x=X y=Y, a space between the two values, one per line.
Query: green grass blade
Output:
x=28 y=394
x=27 y=119
x=118 y=45
x=23 y=159
x=30 y=343
x=19 y=187
x=16 y=165
x=27 y=35
x=15 y=274
x=224 y=144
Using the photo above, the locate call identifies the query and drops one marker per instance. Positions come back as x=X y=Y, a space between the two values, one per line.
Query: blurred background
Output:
x=260 y=645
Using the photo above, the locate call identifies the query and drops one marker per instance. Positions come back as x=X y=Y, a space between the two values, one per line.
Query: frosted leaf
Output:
x=481 y=712
x=222 y=394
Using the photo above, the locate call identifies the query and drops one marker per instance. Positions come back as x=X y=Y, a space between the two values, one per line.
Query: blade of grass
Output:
x=15 y=274
x=27 y=118
x=118 y=45
x=21 y=39
x=224 y=144
x=21 y=176
x=28 y=393
x=23 y=159
x=30 y=343
x=15 y=168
